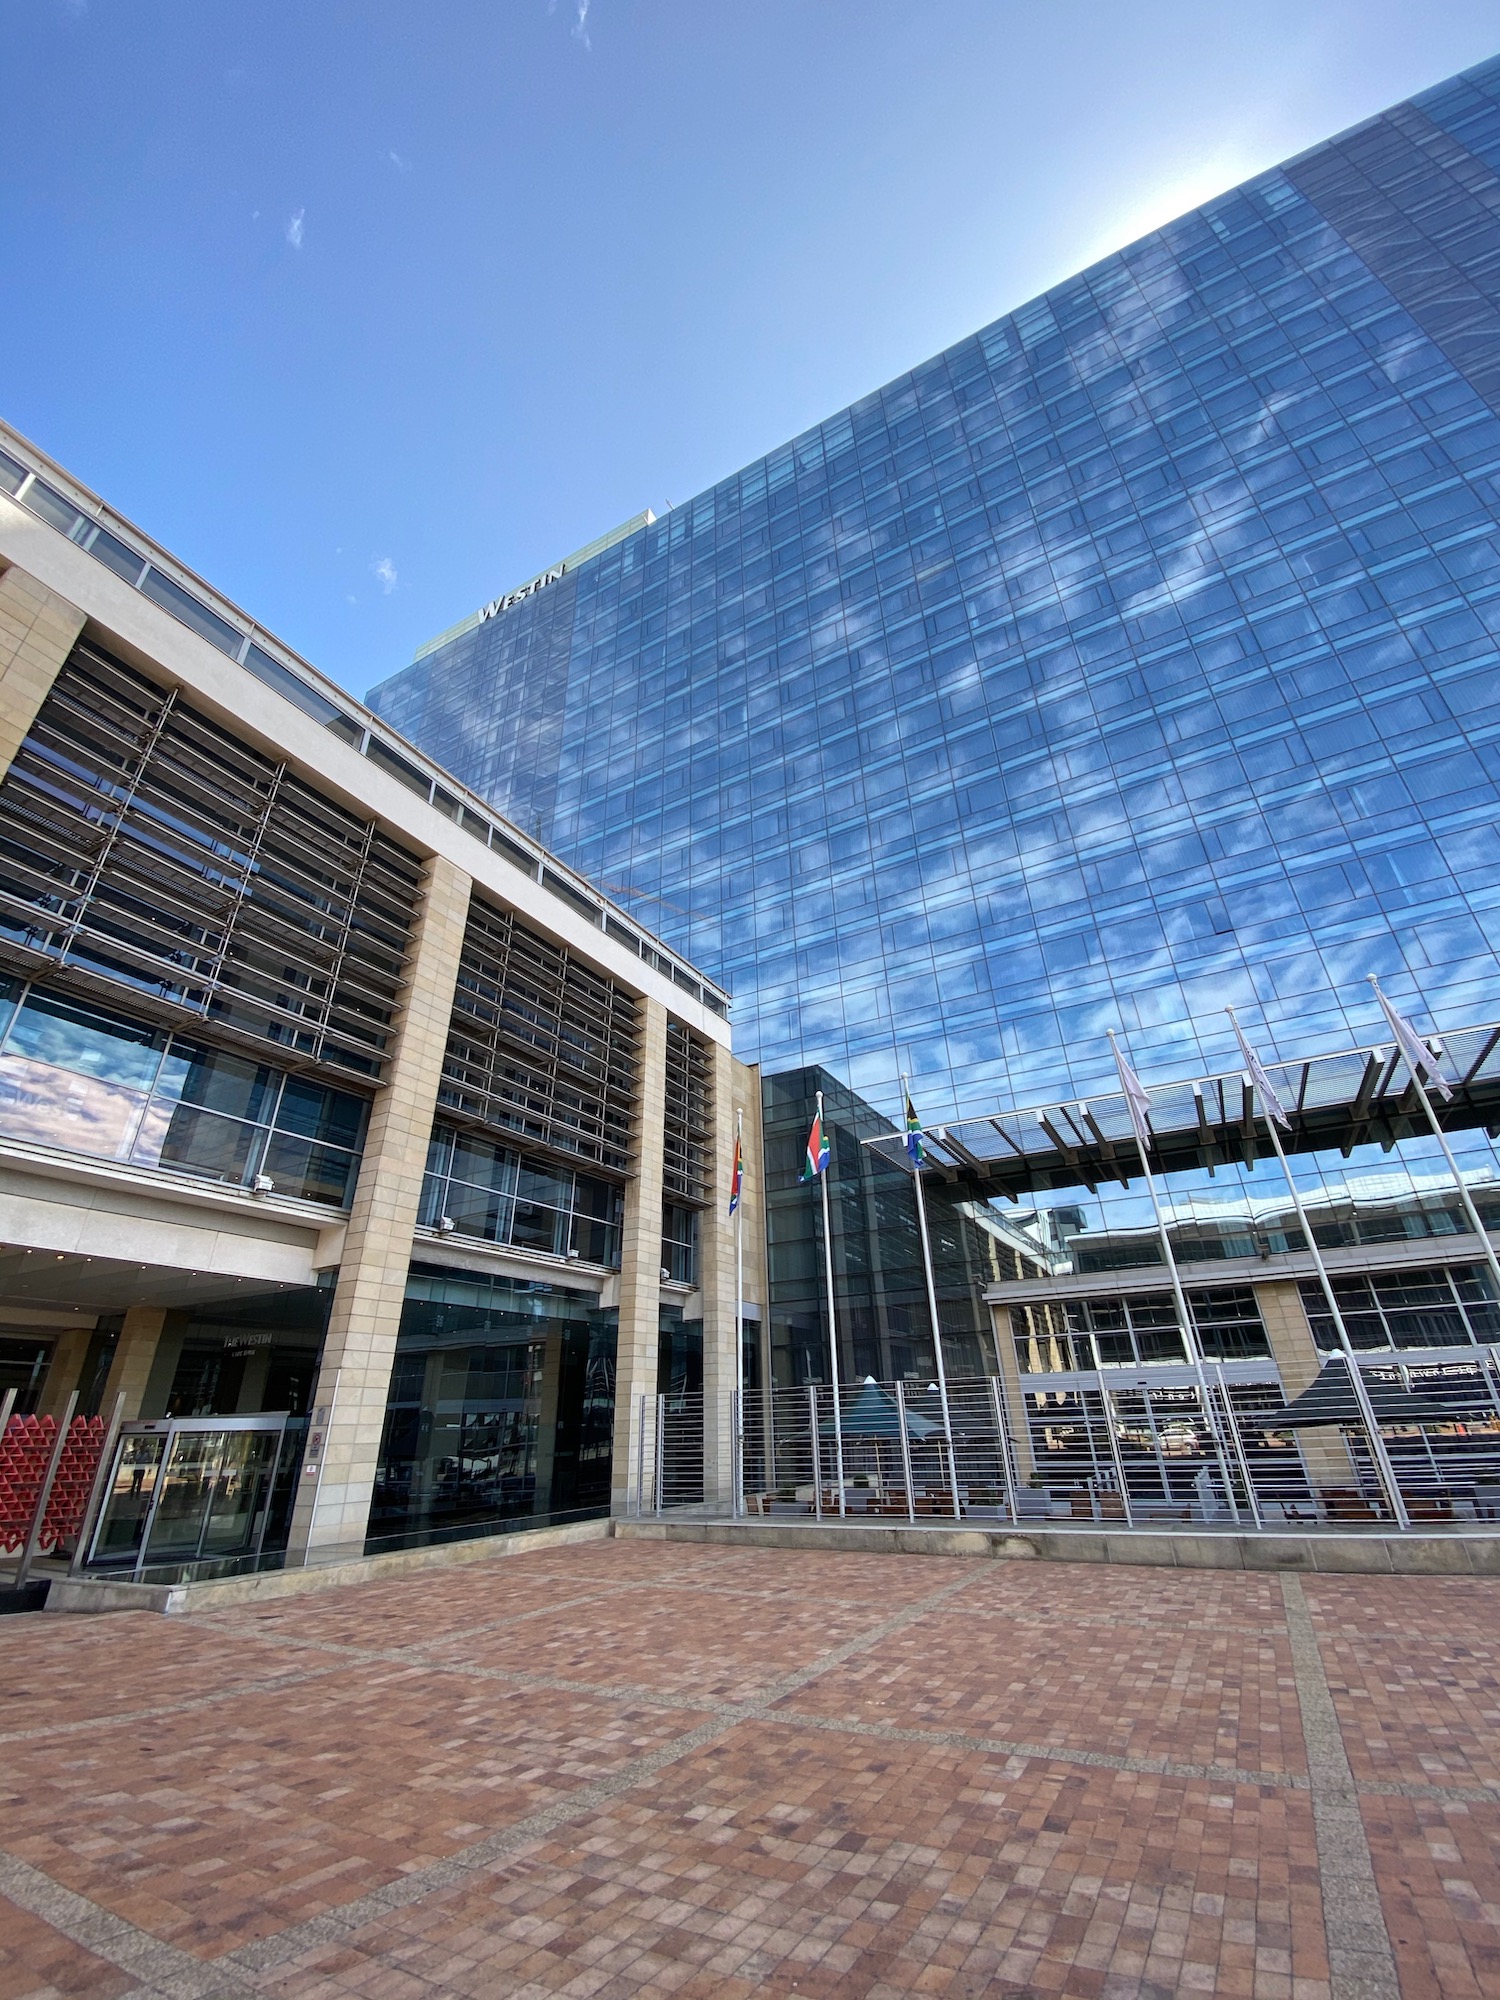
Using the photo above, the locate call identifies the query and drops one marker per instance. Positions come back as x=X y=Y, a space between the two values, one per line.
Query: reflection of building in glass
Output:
x=501 y=1405
x=368 y=1161
x=885 y=1324
x=1087 y=1331
x=1134 y=655
x=1131 y=657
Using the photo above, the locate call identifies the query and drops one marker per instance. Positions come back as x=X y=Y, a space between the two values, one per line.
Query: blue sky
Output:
x=369 y=309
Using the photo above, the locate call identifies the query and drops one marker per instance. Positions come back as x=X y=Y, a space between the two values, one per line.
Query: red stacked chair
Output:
x=24 y=1451
x=69 y=1498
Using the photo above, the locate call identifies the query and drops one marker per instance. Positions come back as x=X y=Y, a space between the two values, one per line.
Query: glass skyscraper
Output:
x=1135 y=655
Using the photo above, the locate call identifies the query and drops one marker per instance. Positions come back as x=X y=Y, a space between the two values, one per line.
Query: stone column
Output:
x=135 y=1351
x=640 y=1259
x=1012 y=1400
x=333 y=1503
x=69 y=1353
x=716 y=1278
x=37 y=632
x=1324 y=1452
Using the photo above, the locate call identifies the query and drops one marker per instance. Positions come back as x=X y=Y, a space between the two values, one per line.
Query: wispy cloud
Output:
x=294 y=228
x=384 y=572
x=581 y=24
x=400 y=162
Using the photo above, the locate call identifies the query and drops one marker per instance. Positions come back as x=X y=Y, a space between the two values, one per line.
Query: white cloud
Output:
x=384 y=572
x=581 y=25
x=400 y=162
x=294 y=228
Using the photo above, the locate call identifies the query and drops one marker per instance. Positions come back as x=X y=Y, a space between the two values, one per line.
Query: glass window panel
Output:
x=217 y=1082
x=477 y=1211
x=597 y=1241
x=182 y=604
x=600 y=1199
x=11 y=473
x=536 y=1227
x=434 y=1189
x=484 y=1165
x=544 y=1184
x=315 y=1173
x=48 y=1106
x=114 y=555
x=82 y=1038
x=336 y=1117
x=260 y=663
x=199 y=1142
x=51 y=507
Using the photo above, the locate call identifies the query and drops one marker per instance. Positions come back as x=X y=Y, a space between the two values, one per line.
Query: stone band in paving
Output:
x=631 y=1768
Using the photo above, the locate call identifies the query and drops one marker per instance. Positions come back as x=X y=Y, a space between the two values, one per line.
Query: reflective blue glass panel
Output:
x=1131 y=657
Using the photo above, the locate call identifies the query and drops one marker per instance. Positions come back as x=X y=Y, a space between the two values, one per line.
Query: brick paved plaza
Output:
x=629 y=1768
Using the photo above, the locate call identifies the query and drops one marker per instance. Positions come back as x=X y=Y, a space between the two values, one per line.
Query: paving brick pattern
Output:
x=635 y=1769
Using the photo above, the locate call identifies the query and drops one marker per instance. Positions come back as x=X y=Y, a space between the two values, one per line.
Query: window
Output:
x=85 y=1080
x=182 y=604
x=494 y=1192
x=260 y=663
x=679 y=1244
x=1449 y=1306
x=1139 y=1329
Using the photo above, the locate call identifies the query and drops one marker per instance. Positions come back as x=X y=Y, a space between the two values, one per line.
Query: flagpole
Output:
x=932 y=1304
x=1470 y=1211
x=1383 y=1466
x=833 y=1325
x=1184 y=1316
x=739 y=1310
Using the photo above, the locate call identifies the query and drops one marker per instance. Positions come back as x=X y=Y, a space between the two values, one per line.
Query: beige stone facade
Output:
x=333 y=1503
x=640 y=1287
x=161 y=1285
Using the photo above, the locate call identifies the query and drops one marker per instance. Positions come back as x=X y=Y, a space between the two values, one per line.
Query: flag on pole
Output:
x=736 y=1174
x=916 y=1151
x=1420 y=1060
x=1270 y=1098
x=817 y=1146
x=1137 y=1102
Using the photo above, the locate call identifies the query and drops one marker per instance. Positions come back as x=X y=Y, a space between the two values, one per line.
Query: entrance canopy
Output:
x=1335 y=1102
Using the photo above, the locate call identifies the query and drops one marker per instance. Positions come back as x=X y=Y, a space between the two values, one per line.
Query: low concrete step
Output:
x=1454 y=1553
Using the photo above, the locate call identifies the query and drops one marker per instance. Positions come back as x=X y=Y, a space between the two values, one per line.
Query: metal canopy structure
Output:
x=1336 y=1102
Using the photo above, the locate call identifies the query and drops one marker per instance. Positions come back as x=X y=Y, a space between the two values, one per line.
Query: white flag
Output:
x=1419 y=1058
x=1138 y=1103
x=1270 y=1098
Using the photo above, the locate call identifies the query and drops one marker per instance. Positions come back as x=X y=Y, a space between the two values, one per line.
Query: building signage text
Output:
x=527 y=590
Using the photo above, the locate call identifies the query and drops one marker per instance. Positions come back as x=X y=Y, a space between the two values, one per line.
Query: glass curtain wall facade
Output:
x=884 y=1324
x=500 y=1411
x=1131 y=656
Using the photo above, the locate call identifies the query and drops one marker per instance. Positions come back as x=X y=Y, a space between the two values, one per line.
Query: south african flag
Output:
x=817 y=1147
